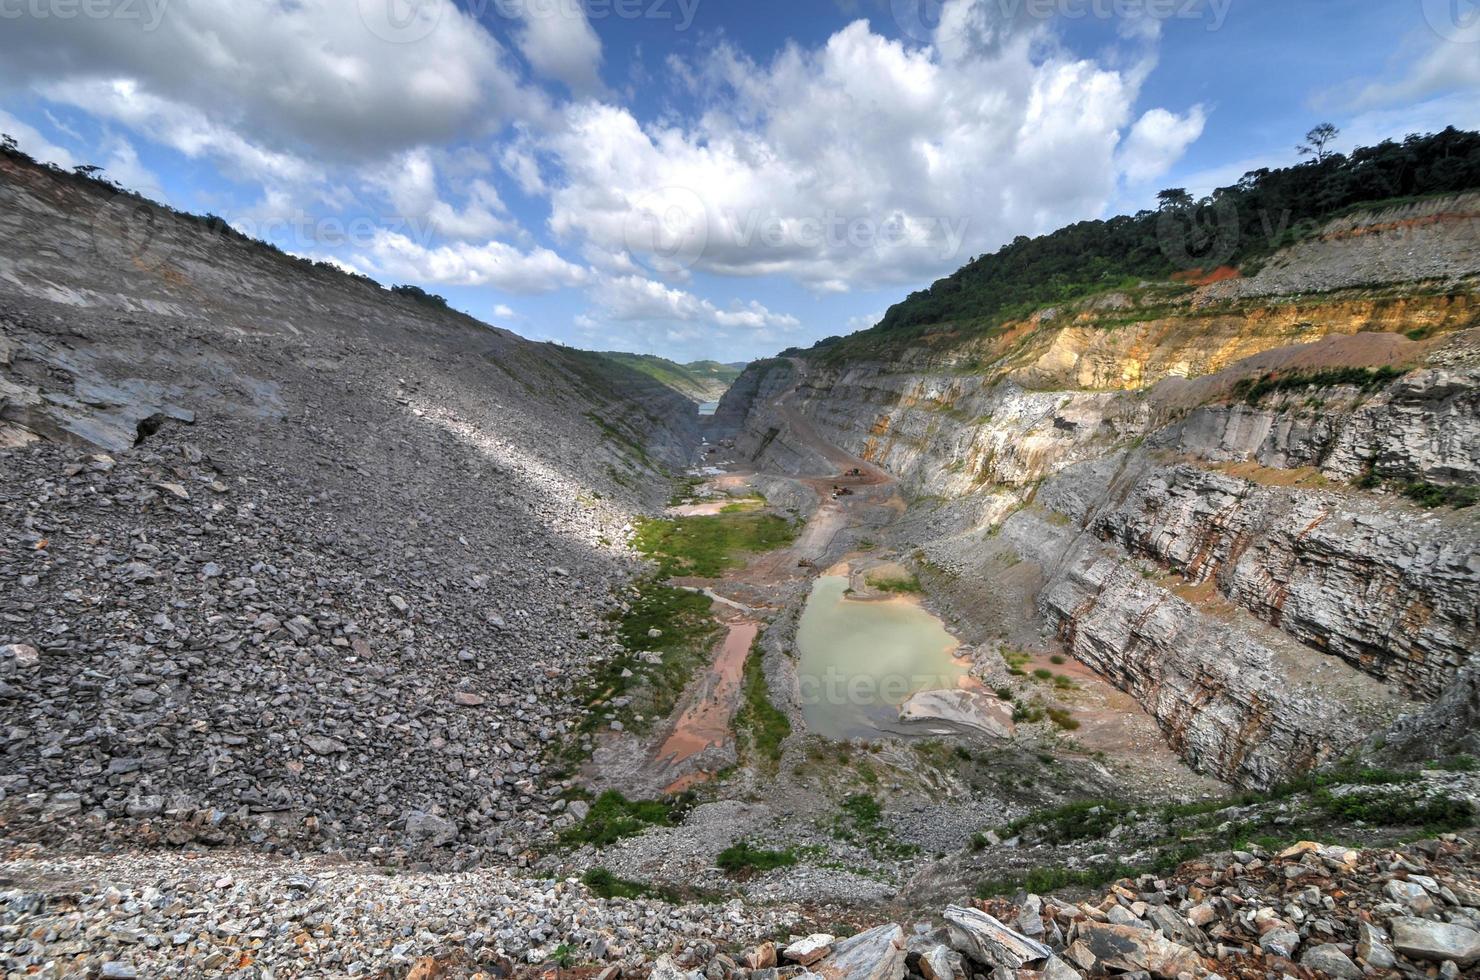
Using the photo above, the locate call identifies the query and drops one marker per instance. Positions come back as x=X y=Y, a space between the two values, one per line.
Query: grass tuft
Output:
x=760 y=724
x=613 y=817
x=744 y=857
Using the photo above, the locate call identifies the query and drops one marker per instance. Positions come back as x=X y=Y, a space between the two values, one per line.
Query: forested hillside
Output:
x=1236 y=226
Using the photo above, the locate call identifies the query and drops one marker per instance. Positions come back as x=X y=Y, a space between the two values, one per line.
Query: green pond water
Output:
x=861 y=660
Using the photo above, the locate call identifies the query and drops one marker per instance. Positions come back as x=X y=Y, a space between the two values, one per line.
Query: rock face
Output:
x=283 y=555
x=1239 y=559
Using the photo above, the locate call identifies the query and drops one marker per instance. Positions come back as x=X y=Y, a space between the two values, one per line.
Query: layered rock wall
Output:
x=1248 y=572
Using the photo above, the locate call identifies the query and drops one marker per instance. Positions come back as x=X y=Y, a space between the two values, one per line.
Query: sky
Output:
x=704 y=178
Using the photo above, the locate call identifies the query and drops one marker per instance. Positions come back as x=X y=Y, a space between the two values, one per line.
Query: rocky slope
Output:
x=284 y=557
x=1197 y=491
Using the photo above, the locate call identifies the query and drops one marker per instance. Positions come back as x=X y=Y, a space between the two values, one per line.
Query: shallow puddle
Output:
x=861 y=660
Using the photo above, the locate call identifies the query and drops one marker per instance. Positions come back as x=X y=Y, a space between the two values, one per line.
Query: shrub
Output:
x=1251 y=390
x=745 y=857
x=613 y=816
x=1062 y=718
x=1433 y=495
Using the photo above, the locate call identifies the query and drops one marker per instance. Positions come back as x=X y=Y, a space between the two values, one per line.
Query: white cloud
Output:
x=638 y=300
x=182 y=127
x=462 y=264
x=410 y=183
x=558 y=43
x=123 y=167
x=31 y=141
x=1157 y=141
x=518 y=161
x=864 y=161
x=292 y=75
x=1450 y=63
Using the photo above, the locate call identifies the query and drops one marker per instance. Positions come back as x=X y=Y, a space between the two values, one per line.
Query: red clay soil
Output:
x=1198 y=277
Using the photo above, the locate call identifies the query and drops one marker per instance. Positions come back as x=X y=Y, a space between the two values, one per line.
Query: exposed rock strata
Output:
x=1214 y=558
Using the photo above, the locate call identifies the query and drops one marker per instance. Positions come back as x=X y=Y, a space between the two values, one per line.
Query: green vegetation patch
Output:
x=613 y=816
x=1308 y=808
x=706 y=546
x=699 y=380
x=760 y=726
x=861 y=821
x=745 y=857
x=1251 y=390
x=895 y=583
x=687 y=632
x=1433 y=495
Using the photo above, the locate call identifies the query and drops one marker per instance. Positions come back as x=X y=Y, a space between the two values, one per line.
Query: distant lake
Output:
x=707 y=408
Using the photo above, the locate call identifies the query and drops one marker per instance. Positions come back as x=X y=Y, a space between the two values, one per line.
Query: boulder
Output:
x=942 y=963
x=1328 y=960
x=1126 y=949
x=1373 y=947
x=1057 y=969
x=22 y=654
x=1424 y=939
x=877 y=954
x=810 y=950
x=1410 y=894
x=760 y=958
x=990 y=943
x=324 y=745
x=430 y=829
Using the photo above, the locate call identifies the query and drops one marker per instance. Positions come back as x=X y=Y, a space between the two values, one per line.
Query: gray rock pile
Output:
x=191 y=648
x=286 y=559
x=1311 y=910
x=163 y=915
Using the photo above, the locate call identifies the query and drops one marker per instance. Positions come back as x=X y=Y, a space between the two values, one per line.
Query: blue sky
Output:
x=700 y=178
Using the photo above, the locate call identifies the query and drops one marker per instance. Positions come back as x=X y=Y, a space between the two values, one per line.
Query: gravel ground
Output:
x=237 y=914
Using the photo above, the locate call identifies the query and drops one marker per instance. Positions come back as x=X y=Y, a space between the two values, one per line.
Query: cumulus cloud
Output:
x=1158 y=140
x=398 y=256
x=637 y=313
x=866 y=161
x=634 y=298
x=410 y=183
x=123 y=166
x=558 y=42
x=345 y=78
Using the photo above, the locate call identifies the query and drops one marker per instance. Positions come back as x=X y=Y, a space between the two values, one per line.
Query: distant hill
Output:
x=1231 y=232
x=703 y=381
